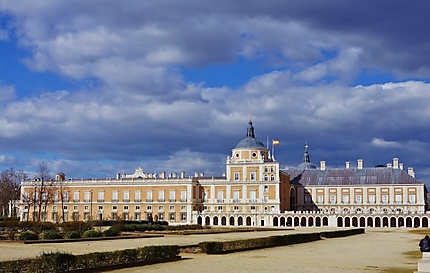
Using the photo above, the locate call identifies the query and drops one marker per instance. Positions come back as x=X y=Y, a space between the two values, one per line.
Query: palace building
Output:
x=254 y=191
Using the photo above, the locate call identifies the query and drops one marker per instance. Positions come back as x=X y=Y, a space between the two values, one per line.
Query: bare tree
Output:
x=43 y=188
x=10 y=190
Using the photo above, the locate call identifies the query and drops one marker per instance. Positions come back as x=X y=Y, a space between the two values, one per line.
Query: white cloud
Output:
x=381 y=143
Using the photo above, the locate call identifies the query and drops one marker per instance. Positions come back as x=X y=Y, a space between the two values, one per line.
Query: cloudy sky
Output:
x=99 y=87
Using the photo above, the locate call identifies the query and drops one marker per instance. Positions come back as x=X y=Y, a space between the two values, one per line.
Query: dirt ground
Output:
x=378 y=250
x=381 y=250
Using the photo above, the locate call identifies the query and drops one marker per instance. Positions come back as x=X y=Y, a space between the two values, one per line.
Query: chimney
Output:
x=347 y=164
x=322 y=165
x=395 y=163
x=202 y=174
x=360 y=164
x=389 y=165
x=401 y=166
x=411 y=171
x=196 y=174
x=118 y=176
x=182 y=174
x=223 y=175
x=163 y=175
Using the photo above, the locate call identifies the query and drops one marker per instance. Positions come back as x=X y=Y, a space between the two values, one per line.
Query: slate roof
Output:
x=349 y=177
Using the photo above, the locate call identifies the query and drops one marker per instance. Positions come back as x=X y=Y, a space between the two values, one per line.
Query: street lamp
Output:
x=34 y=202
x=91 y=205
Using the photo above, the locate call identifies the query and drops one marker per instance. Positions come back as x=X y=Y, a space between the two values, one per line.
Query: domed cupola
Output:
x=250 y=141
x=306 y=164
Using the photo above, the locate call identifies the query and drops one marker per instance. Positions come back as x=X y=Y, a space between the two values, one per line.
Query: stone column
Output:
x=424 y=263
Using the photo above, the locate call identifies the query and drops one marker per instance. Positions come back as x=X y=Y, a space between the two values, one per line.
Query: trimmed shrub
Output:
x=72 y=235
x=78 y=226
x=27 y=235
x=50 y=235
x=110 y=233
x=92 y=234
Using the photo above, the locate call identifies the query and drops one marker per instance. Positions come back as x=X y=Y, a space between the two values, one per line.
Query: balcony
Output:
x=149 y=200
x=126 y=200
x=172 y=200
x=183 y=200
x=114 y=200
x=100 y=200
x=160 y=199
x=137 y=200
x=220 y=200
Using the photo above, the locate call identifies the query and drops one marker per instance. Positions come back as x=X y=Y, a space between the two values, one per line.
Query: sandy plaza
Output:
x=378 y=250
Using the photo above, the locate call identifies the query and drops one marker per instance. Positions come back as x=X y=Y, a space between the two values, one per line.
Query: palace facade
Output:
x=254 y=191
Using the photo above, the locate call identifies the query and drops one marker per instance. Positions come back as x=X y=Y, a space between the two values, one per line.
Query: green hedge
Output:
x=272 y=241
x=142 y=227
x=64 y=262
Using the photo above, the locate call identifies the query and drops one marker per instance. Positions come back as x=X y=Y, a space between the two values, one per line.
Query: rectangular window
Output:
x=172 y=216
x=86 y=207
x=137 y=197
x=183 y=207
x=219 y=208
x=384 y=199
x=308 y=199
x=320 y=199
x=399 y=198
x=172 y=196
x=160 y=207
x=87 y=195
x=220 y=196
x=114 y=215
x=236 y=176
x=172 y=208
x=75 y=207
x=252 y=207
x=114 y=196
x=183 y=195
x=372 y=198
x=55 y=197
x=148 y=196
x=161 y=216
x=183 y=216
x=266 y=188
x=345 y=199
x=412 y=198
x=76 y=196
x=160 y=196
x=66 y=196
x=253 y=176
x=358 y=198
x=137 y=207
x=114 y=207
x=253 y=196
x=333 y=199
x=64 y=207
x=126 y=196
x=125 y=216
x=100 y=207
x=236 y=194
x=148 y=207
x=101 y=196
x=125 y=207
x=236 y=208
x=137 y=216
x=265 y=198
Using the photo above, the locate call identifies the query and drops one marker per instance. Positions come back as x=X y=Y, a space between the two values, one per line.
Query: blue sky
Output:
x=96 y=88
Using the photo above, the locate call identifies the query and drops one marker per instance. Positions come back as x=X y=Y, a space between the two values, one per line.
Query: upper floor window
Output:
x=253 y=176
x=236 y=176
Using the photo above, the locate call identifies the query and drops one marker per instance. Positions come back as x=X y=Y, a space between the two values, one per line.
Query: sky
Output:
x=95 y=88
